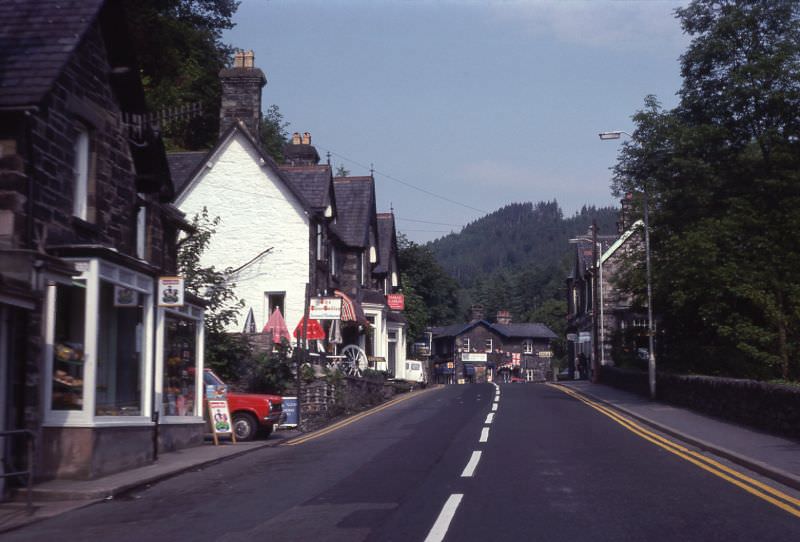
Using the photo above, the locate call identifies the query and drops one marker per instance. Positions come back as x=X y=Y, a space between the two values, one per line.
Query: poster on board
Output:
x=220 y=420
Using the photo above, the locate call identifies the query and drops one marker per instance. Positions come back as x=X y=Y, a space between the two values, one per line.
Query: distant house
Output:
x=483 y=351
x=89 y=358
x=274 y=220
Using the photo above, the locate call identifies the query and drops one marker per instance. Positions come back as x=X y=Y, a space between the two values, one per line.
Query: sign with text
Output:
x=290 y=409
x=396 y=302
x=473 y=356
x=219 y=418
x=170 y=291
x=325 y=308
x=545 y=354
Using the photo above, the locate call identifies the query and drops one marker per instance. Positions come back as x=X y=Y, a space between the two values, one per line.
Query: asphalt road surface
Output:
x=476 y=462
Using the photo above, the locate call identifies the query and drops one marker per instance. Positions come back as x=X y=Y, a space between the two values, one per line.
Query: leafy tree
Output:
x=274 y=133
x=722 y=171
x=226 y=353
x=180 y=53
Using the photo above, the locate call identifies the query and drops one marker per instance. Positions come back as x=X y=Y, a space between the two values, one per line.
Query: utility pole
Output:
x=595 y=305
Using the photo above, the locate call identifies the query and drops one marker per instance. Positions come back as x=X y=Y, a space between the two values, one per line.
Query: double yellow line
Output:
x=344 y=423
x=754 y=487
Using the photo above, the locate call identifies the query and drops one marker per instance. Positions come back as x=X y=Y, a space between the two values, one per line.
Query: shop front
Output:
x=104 y=371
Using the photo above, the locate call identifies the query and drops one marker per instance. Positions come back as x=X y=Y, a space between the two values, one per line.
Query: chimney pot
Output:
x=306 y=138
x=238 y=59
x=296 y=138
x=249 y=59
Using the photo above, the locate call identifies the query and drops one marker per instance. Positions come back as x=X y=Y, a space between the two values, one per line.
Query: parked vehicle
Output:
x=252 y=413
x=415 y=371
x=515 y=379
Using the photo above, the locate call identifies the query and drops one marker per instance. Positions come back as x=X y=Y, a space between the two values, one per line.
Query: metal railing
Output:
x=28 y=472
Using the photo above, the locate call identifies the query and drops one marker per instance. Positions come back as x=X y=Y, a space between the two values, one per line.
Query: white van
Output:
x=415 y=371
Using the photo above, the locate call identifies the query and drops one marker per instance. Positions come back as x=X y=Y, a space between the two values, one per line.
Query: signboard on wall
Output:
x=473 y=356
x=170 y=291
x=125 y=297
x=396 y=302
x=290 y=409
x=325 y=308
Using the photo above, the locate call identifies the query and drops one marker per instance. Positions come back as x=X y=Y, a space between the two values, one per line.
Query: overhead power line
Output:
x=405 y=183
x=429 y=222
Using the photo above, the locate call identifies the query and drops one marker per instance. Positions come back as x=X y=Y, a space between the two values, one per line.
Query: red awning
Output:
x=348 y=308
x=314 y=331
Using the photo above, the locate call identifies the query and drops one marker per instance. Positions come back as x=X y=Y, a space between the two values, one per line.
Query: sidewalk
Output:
x=775 y=457
x=55 y=497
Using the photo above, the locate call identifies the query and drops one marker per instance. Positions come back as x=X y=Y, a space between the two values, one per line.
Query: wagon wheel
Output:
x=354 y=360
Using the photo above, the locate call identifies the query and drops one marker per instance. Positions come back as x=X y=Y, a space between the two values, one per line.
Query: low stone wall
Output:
x=324 y=399
x=774 y=408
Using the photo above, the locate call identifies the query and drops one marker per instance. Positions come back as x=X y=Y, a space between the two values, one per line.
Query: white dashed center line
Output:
x=489 y=418
x=439 y=529
x=484 y=435
x=494 y=407
x=472 y=464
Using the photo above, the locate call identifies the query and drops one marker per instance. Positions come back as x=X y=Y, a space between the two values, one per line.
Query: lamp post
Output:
x=651 y=362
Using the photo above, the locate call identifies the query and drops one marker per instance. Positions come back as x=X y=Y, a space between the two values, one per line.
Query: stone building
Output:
x=86 y=228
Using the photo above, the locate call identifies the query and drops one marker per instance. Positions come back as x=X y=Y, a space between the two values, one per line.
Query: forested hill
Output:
x=517 y=236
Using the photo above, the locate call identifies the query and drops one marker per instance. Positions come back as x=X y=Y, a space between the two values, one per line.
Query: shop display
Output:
x=68 y=376
x=179 y=368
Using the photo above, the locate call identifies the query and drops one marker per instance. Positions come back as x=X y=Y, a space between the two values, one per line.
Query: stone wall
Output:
x=324 y=399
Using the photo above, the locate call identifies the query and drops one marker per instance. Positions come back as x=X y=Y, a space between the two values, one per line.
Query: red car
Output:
x=251 y=412
x=517 y=379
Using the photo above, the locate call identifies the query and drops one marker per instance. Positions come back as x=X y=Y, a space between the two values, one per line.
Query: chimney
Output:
x=300 y=152
x=241 y=94
x=476 y=313
x=503 y=317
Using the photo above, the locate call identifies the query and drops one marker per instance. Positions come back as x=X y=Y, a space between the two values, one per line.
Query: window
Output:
x=465 y=344
x=320 y=243
x=276 y=300
x=141 y=230
x=180 y=366
x=119 y=364
x=80 y=193
x=527 y=346
x=489 y=345
x=333 y=261
x=363 y=268
x=68 y=349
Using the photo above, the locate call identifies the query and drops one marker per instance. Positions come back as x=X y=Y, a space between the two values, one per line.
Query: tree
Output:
x=226 y=353
x=722 y=170
x=180 y=53
x=342 y=171
x=274 y=133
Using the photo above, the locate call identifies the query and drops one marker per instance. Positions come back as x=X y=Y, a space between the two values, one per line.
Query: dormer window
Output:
x=328 y=211
x=394 y=279
x=373 y=255
x=80 y=192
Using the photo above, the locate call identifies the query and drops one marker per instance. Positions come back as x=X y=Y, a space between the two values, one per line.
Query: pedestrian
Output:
x=582 y=367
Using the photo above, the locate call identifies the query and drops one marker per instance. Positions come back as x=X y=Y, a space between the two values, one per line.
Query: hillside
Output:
x=517 y=236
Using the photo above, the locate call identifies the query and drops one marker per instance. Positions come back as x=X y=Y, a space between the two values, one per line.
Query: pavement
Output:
x=55 y=497
x=769 y=455
x=774 y=457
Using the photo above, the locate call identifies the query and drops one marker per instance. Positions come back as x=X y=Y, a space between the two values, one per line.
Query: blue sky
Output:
x=480 y=102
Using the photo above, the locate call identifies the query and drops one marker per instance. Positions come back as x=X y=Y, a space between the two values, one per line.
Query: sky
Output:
x=462 y=107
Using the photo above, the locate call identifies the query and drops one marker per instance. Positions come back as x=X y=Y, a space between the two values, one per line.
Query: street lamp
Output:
x=651 y=362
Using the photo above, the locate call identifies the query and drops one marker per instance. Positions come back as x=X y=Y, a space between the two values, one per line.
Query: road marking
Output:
x=344 y=423
x=494 y=407
x=439 y=529
x=757 y=488
x=472 y=464
x=489 y=417
x=484 y=435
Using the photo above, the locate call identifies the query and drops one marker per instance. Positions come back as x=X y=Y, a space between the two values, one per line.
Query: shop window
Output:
x=180 y=366
x=68 y=350
x=119 y=367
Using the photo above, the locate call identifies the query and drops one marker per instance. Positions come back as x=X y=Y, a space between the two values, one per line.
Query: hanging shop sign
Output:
x=545 y=354
x=584 y=337
x=396 y=302
x=219 y=418
x=325 y=308
x=170 y=291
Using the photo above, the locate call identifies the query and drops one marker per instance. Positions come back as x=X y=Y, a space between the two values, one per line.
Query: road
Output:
x=461 y=463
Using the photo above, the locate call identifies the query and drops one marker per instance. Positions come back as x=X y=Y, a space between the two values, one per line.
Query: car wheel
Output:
x=244 y=426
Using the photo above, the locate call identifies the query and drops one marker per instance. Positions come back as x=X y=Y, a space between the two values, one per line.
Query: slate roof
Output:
x=313 y=181
x=37 y=38
x=356 y=202
x=386 y=238
x=511 y=331
x=182 y=167
x=525 y=331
